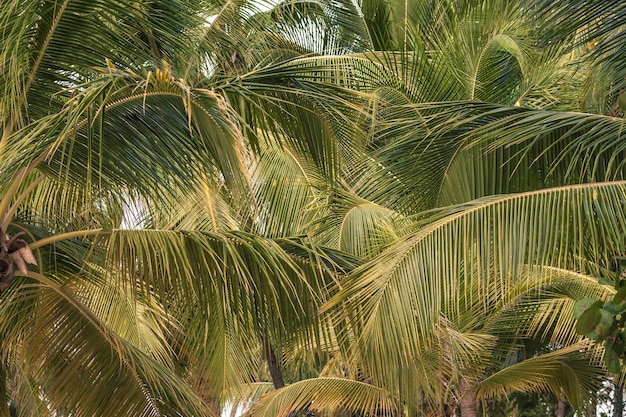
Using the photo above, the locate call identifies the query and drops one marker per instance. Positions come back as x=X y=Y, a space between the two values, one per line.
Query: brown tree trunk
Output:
x=618 y=399
x=469 y=408
x=560 y=408
x=272 y=364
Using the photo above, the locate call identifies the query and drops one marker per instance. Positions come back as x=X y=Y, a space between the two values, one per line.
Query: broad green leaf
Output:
x=618 y=299
x=589 y=320
x=582 y=305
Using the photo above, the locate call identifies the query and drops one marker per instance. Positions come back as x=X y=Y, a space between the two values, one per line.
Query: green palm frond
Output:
x=209 y=208
x=357 y=226
x=455 y=152
x=321 y=26
x=594 y=33
x=469 y=259
x=88 y=148
x=23 y=392
x=583 y=146
x=72 y=358
x=198 y=278
x=321 y=394
x=140 y=321
x=542 y=305
x=250 y=395
x=310 y=103
x=235 y=288
x=203 y=182
x=565 y=371
x=286 y=187
x=52 y=45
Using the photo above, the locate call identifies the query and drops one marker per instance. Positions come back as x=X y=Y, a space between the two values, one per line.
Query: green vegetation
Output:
x=321 y=208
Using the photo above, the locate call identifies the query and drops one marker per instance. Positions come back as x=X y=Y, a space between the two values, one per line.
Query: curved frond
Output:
x=468 y=259
x=565 y=371
x=542 y=305
x=321 y=394
x=72 y=358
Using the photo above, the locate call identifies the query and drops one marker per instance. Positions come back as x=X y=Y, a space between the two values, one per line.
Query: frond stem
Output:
x=69 y=235
x=11 y=210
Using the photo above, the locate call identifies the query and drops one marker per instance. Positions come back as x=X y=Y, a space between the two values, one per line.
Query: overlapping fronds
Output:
x=49 y=46
x=203 y=183
x=357 y=226
x=268 y=285
x=85 y=144
x=249 y=395
x=287 y=188
x=567 y=371
x=314 y=103
x=71 y=358
x=455 y=152
x=469 y=259
x=541 y=305
x=325 y=27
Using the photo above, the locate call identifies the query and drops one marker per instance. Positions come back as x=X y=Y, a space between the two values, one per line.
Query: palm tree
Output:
x=476 y=195
x=113 y=114
x=196 y=181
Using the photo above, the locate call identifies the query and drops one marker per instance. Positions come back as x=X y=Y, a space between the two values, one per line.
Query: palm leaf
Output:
x=470 y=258
x=321 y=394
x=64 y=342
x=565 y=370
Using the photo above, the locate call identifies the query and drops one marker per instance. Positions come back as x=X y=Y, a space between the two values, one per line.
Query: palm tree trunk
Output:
x=272 y=364
x=468 y=399
x=618 y=399
x=560 y=408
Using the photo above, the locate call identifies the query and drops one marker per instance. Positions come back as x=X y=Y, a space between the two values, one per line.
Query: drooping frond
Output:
x=287 y=188
x=72 y=358
x=468 y=259
x=598 y=30
x=454 y=152
x=541 y=305
x=50 y=45
x=567 y=371
x=324 y=394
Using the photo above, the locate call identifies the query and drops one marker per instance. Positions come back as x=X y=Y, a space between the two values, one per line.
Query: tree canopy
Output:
x=332 y=207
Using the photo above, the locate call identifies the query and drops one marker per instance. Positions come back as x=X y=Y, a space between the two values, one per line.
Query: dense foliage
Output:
x=324 y=207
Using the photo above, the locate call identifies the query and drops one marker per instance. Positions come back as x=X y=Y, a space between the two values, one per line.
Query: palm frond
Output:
x=564 y=371
x=64 y=342
x=54 y=45
x=285 y=185
x=88 y=149
x=542 y=305
x=469 y=258
x=475 y=149
x=321 y=394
